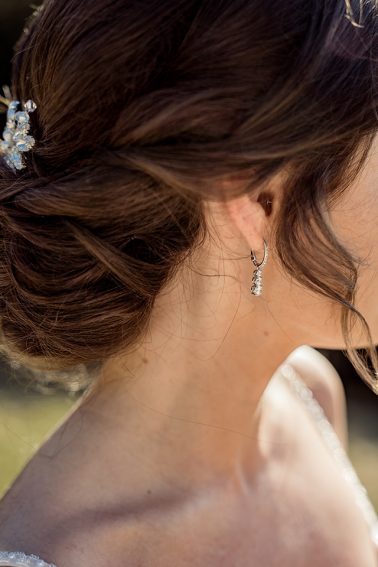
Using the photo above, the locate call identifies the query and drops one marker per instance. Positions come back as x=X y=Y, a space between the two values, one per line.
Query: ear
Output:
x=253 y=214
x=248 y=217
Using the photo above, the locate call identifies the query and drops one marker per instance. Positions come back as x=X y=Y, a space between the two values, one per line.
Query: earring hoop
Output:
x=256 y=287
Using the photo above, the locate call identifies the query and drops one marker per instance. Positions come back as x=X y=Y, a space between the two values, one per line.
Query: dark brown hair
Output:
x=142 y=107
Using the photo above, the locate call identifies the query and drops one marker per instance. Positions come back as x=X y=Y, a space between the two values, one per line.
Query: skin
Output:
x=213 y=347
x=191 y=448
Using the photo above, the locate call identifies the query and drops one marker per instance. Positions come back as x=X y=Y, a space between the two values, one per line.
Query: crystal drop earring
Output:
x=256 y=287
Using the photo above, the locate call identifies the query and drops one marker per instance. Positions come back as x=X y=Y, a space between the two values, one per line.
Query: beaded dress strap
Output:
x=333 y=442
x=20 y=559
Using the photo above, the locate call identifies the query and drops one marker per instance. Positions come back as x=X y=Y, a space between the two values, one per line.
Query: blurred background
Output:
x=28 y=413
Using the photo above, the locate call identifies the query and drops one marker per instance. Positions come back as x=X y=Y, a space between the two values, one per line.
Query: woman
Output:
x=197 y=209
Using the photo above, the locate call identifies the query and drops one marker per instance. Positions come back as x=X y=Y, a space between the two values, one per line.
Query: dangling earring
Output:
x=256 y=287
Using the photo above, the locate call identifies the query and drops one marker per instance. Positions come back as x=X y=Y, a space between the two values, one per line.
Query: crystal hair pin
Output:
x=16 y=139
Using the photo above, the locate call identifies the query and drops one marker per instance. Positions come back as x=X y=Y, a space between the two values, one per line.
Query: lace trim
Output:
x=334 y=444
x=19 y=559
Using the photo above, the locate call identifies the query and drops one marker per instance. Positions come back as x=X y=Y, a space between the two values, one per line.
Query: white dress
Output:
x=19 y=559
x=331 y=439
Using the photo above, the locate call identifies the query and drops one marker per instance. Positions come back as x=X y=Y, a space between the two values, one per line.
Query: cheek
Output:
x=309 y=318
x=354 y=217
x=354 y=221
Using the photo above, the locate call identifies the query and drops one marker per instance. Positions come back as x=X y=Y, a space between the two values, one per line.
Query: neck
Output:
x=187 y=402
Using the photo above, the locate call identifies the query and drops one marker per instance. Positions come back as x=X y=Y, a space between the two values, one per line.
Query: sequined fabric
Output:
x=20 y=559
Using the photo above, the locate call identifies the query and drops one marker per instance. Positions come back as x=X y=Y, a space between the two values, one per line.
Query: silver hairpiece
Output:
x=15 y=136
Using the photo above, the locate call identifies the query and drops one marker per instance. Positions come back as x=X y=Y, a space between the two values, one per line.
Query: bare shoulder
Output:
x=34 y=509
x=322 y=378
